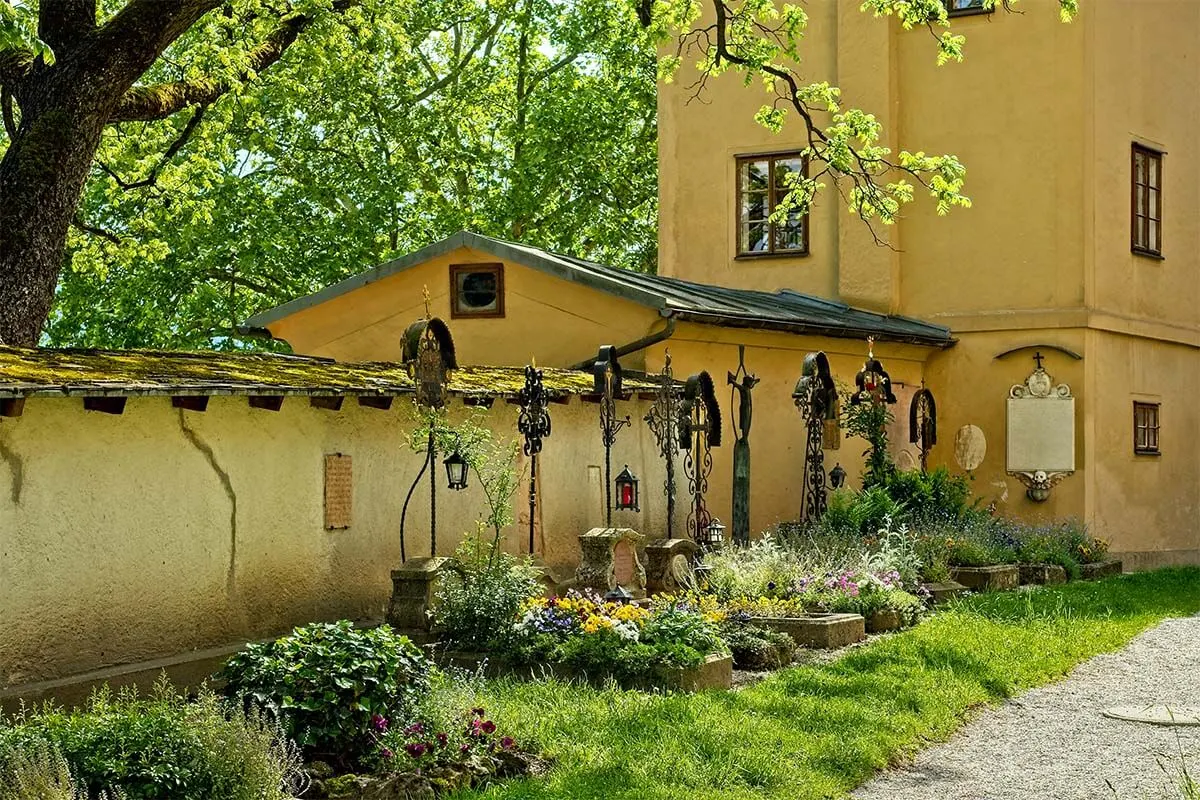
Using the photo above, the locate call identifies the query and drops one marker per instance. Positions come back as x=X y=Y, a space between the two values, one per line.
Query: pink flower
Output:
x=464 y=747
x=442 y=739
x=386 y=752
x=379 y=723
x=416 y=729
x=416 y=749
x=489 y=727
x=508 y=743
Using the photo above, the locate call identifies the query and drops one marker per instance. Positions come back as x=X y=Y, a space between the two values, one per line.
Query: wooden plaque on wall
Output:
x=338 y=491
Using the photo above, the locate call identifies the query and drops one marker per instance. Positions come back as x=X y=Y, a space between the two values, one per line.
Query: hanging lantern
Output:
x=627 y=491
x=714 y=535
x=837 y=476
x=456 y=471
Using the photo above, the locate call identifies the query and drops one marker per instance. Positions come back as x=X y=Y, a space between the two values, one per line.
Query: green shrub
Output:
x=477 y=603
x=851 y=513
x=39 y=772
x=151 y=749
x=936 y=493
x=328 y=684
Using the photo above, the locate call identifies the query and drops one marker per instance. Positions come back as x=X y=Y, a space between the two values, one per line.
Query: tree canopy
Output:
x=213 y=158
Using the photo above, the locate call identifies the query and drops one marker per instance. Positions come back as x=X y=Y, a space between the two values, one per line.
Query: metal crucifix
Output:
x=922 y=424
x=699 y=432
x=429 y=354
x=742 y=382
x=816 y=397
x=663 y=419
x=534 y=424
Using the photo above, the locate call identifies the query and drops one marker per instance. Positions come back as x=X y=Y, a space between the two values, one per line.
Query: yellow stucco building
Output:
x=1081 y=246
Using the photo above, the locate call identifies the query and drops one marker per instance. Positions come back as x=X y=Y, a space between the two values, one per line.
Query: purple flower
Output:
x=416 y=749
x=477 y=712
x=386 y=752
x=416 y=729
x=508 y=743
x=442 y=739
x=379 y=723
x=464 y=747
x=489 y=727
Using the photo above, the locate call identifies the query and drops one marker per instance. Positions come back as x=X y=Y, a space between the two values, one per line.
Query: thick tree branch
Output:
x=147 y=103
x=15 y=65
x=461 y=64
x=129 y=43
x=167 y=155
x=94 y=231
x=63 y=23
x=6 y=112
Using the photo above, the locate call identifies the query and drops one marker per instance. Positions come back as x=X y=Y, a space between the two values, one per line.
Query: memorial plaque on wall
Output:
x=1041 y=434
x=338 y=491
x=1040 y=446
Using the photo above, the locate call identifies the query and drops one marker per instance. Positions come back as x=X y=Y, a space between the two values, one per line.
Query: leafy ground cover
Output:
x=819 y=731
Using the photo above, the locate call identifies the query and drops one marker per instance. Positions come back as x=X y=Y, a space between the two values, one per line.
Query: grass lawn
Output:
x=820 y=731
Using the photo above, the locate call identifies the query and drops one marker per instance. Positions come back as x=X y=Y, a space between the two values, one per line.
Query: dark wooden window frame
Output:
x=1137 y=222
x=1146 y=418
x=772 y=201
x=966 y=12
x=458 y=269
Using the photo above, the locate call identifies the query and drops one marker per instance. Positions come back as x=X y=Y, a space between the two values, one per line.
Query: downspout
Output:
x=638 y=344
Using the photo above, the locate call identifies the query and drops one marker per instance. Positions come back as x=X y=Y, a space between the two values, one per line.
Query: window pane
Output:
x=1155 y=166
x=478 y=291
x=1154 y=205
x=754 y=237
x=1140 y=197
x=962 y=5
x=785 y=167
x=1139 y=167
x=790 y=235
x=754 y=206
x=755 y=176
x=1152 y=239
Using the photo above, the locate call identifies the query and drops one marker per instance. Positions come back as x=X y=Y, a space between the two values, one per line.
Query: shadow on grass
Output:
x=818 y=731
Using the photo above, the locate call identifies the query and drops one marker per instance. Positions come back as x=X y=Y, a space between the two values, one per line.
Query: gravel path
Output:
x=1053 y=742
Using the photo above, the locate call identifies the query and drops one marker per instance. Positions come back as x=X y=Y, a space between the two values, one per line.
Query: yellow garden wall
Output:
x=117 y=530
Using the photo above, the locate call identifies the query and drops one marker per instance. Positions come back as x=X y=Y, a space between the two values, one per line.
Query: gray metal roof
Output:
x=783 y=310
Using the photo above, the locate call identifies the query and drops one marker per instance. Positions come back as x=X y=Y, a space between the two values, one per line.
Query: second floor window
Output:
x=763 y=182
x=1146 y=235
x=964 y=7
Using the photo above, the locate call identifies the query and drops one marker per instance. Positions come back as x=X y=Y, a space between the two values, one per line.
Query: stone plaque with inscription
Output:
x=1040 y=447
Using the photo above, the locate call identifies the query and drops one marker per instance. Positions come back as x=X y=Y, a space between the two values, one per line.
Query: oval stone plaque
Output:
x=970 y=446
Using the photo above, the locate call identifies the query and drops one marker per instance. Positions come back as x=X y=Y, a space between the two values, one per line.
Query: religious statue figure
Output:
x=742 y=382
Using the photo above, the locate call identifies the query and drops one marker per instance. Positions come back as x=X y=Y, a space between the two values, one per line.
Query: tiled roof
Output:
x=52 y=372
x=784 y=310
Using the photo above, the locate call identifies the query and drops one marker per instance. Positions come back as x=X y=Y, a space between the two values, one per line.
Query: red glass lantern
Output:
x=627 y=491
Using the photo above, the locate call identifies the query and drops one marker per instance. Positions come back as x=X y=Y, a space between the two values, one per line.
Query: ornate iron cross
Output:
x=816 y=397
x=699 y=432
x=664 y=424
x=534 y=424
x=922 y=424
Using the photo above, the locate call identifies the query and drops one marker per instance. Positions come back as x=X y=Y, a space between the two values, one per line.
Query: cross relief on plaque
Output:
x=1041 y=432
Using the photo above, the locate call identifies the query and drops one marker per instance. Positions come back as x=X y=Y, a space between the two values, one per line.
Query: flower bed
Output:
x=584 y=635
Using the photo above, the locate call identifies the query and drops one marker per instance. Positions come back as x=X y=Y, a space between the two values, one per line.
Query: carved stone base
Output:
x=669 y=565
x=608 y=559
x=414 y=592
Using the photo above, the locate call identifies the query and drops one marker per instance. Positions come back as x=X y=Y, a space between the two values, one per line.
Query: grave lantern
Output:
x=714 y=535
x=456 y=471
x=837 y=476
x=627 y=491
x=618 y=595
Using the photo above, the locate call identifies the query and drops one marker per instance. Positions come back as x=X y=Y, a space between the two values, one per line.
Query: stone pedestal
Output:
x=995 y=578
x=822 y=631
x=1042 y=574
x=1101 y=569
x=414 y=591
x=669 y=565
x=944 y=592
x=608 y=559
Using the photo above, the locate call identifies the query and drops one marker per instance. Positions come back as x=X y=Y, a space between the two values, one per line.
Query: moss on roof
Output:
x=43 y=371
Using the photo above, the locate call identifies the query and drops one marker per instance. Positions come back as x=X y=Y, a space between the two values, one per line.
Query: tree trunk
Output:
x=41 y=180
